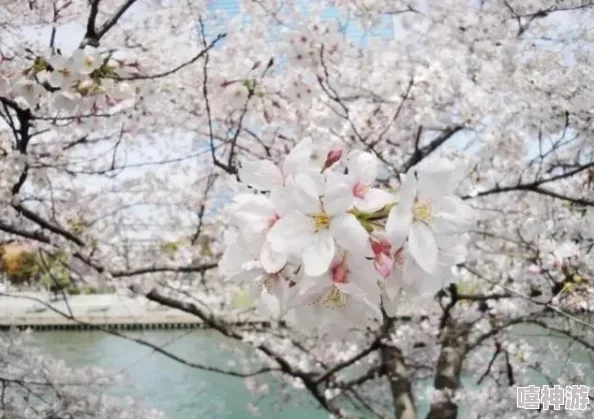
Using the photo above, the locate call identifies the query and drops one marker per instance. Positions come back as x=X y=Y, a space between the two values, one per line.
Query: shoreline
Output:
x=35 y=310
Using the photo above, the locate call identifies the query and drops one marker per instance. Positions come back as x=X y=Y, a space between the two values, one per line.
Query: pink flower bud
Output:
x=228 y=83
x=339 y=272
x=334 y=155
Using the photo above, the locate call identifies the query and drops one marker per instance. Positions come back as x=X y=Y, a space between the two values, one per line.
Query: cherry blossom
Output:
x=362 y=172
x=425 y=210
x=317 y=225
x=265 y=175
x=27 y=90
x=64 y=74
x=345 y=296
x=132 y=139
x=347 y=239
x=254 y=216
x=85 y=61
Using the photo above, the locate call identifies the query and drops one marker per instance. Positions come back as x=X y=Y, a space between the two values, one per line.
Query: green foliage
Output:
x=54 y=271
x=77 y=225
x=88 y=290
x=82 y=290
x=40 y=64
x=170 y=248
x=467 y=287
x=19 y=267
x=253 y=88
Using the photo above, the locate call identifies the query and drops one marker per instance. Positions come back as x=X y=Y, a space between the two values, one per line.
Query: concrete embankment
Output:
x=38 y=311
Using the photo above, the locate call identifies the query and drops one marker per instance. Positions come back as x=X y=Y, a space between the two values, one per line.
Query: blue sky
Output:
x=352 y=29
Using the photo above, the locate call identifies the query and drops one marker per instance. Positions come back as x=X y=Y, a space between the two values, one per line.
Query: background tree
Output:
x=44 y=387
x=125 y=124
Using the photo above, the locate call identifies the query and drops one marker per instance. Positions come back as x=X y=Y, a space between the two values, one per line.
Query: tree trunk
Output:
x=447 y=376
x=399 y=380
x=394 y=368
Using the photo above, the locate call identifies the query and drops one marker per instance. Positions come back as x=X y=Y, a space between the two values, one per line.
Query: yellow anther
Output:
x=422 y=212
x=335 y=298
x=322 y=221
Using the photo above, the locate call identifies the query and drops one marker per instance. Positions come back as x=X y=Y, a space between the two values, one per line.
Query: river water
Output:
x=157 y=381
x=186 y=393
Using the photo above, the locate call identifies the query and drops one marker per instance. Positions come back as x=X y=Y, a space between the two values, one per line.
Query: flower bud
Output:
x=334 y=155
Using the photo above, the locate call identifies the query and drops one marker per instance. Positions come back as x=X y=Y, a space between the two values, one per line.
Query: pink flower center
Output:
x=360 y=190
x=381 y=247
x=383 y=262
x=340 y=273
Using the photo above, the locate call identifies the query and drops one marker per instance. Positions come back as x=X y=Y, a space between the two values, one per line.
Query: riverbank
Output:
x=41 y=311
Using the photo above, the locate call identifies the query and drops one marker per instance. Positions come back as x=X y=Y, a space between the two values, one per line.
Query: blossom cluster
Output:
x=304 y=44
x=320 y=244
x=84 y=82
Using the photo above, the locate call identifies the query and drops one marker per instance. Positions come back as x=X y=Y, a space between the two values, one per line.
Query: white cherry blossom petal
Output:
x=298 y=159
x=350 y=234
x=398 y=224
x=233 y=259
x=362 y=166
x=291 y=233
x=452 y=216
x=337 y=198
x=375 y=199
x=258 y=204
x=423 y=247
x=272 y=261
x=282 y=201
x=319 y=253
x=437 y=179
x=306 y=195
x=407 y=193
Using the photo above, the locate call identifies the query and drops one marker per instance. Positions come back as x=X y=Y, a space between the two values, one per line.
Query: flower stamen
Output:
x=422 y=212
x=335 y=298
x=268 y=282
x=322 y=221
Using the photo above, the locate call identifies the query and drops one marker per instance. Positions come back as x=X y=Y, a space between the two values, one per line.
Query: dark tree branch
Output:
x=536 y=187
x=93 y=34
x=179 y=67
x=54 y=228
x=159 y=269
x=420 y=153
